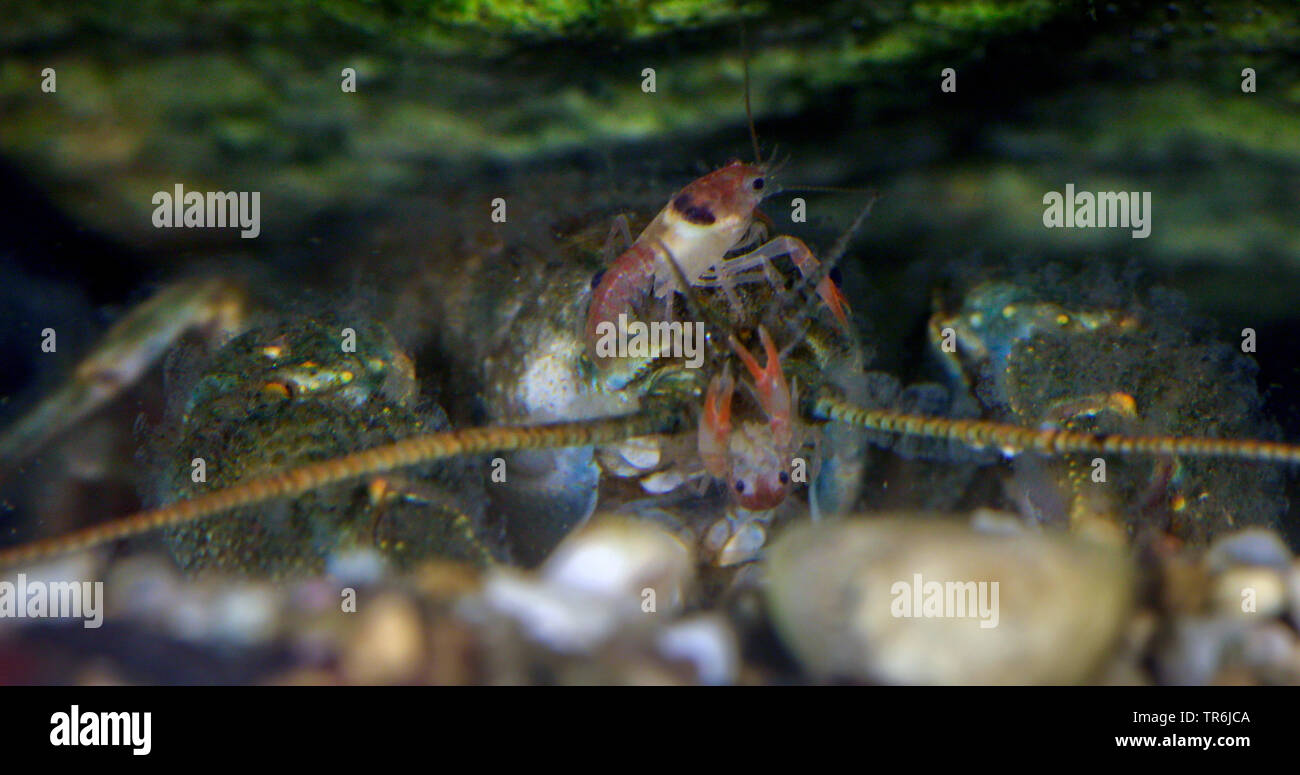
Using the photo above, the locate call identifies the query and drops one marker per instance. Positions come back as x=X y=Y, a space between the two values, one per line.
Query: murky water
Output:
x=453 y=197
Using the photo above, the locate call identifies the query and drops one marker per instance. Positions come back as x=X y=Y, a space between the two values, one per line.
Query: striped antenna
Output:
x=425 y=448
x=1052 y=442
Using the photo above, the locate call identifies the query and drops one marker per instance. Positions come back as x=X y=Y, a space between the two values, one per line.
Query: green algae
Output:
x=247 y=95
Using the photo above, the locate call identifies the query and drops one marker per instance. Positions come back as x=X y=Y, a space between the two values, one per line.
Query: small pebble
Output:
x=1249 y=592
x=1254 y=546
x=708 y=643
x=388 y=642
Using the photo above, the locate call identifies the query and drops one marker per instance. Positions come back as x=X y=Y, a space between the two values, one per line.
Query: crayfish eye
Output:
x=740 y=486
x=758 y=184
x=784 y=477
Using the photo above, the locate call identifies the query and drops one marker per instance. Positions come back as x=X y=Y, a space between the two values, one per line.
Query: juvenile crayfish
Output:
x=537 y=365
x=555 y=384
x=572 y=426
x=291 y=391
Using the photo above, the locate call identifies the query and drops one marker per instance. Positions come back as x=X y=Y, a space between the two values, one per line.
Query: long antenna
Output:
x=829 y=189
x=292 y=482
x=749 y=114
x=823 y=270
x=1052 y=442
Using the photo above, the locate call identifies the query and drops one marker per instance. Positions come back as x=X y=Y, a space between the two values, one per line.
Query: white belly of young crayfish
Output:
x=695 y=249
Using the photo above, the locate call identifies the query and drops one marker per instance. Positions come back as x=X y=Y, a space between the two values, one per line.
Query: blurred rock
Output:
x=841 y=594
x=387 y=645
